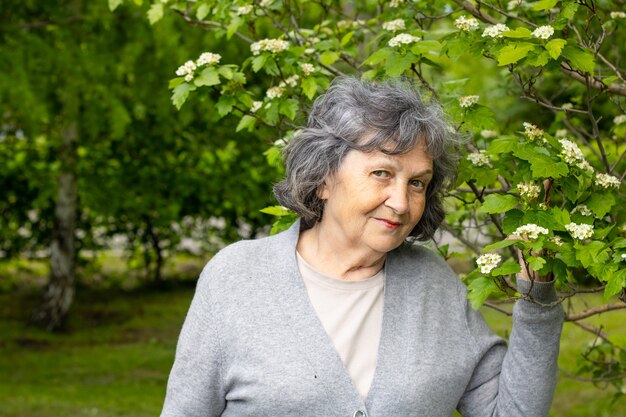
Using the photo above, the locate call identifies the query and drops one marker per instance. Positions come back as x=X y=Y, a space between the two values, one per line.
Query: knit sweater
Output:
x=252 y=344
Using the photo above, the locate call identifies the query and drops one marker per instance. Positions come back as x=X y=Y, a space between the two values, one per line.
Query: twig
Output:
x=595 y=310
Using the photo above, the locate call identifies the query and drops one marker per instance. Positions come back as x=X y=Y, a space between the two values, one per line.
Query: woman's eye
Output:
x=418 y=184
x=380 y=173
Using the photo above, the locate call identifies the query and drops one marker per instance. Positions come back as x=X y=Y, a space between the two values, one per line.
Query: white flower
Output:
x=394 y=25
x=488 y=261
x=529 y=190
x=557 y=240
x=488 y=134
x=532 y=131
x=623 y=256
x=543 y=32
x=567 y=106
x=561 y=133
x=395 y=3
x=274 y=92
x=582 y=209
x=530 y=231
x=307 y=69
x=585 y=166
x=618 y=15
x=271 y=45
x=266 y=3
x=466 y=24
x=618 y=120
x=496 y=31
x=479 y=159
x=403 y=38
x=243 y=10
x=571 y=153
x=291 y=81
x=579 y=231
x=208 y=58
x=186 y=70
x=513 y=4
x=256 y=105
x=309 y=51
x=607 y=181
x=468 y=101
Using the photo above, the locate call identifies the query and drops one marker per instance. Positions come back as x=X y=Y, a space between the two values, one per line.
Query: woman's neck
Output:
x=335 y=258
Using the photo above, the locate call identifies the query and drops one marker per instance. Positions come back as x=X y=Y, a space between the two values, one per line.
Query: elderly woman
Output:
x=341 y=315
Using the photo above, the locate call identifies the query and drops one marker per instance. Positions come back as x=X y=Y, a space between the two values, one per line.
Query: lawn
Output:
x=115 y=354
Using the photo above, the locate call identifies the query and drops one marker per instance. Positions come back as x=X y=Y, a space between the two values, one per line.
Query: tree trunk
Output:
x=59 y=293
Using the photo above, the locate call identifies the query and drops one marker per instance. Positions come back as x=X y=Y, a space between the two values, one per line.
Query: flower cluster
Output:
x=488 y=262
x=579 y=231
x=571 y=153
x=530 y=231
x=395 y=3
x=243 y=10
x=394 y=25
x=290 y=81
x=560 y=133
x=532 y=131
x=466 y=24
x=567 y=106
x=271 y=45
x=403 y=38
x=557 y=240
x=513 y=4
x=496 y=31
x=468 y=101
x=582 y=209
x=274 y=92
x=543 y=32
x=256 y=105
x=529 y=190
x=618 y=15
x=618 y=120
x=208 y=58
x=266 y=3
x=607 y=181
x=186 y=70
x=488 y=134
x=307 y=69
x=479 y=159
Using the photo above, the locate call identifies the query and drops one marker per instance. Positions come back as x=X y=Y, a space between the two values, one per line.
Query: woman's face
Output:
x=374 y=200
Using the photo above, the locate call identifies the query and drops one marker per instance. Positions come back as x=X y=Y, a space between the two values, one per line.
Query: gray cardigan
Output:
x=252 y=345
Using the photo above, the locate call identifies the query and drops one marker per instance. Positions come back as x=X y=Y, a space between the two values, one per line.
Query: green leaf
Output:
x=232 y=27
x=180 y=94
x=397 y=63
x=278 y=211
x=225 y=105
x=501 y=244
x=226 y=71
x=569 y=10
x=518 y=33
x=246 y=122
x=594 y=252
x=560 y=216
x=426 y=47
x=554 y=47
x=509 y=267
x=542 y=218
x=113 y=4
x=535 y=262
x=346 y=38
x=514 y=52
x=544 y=5
x=480 y=117
x=378 y=56
x=600 y=203
x=175 y=82
x=203 y=11
x=290 y=108
x=600 y=234
x=512 y=220
x=542 y=165
x=503 y=144
x=329 y=57
x=479 y=290
x=155 y=13
x=283 y=223
x=537 y=58
x=581 y=59
x=614 y=284
x=309 y=87
x=498 y=203
x=207 y=77
x=258 y=62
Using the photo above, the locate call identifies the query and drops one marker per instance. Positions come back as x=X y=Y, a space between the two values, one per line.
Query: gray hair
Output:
x=368 y=116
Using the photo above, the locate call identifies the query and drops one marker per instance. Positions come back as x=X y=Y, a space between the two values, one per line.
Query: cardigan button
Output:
x=359 y=413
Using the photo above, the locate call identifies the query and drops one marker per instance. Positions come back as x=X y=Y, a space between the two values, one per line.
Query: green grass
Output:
x=114 y=356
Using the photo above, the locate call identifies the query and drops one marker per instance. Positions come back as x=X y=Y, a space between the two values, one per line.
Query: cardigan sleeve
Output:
x=195 y=387
x=518 y=381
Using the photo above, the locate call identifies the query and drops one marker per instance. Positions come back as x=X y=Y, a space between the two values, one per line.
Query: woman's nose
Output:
x=397 y=198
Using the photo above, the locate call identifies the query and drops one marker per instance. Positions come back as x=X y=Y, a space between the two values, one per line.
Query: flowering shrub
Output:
x=542 y=177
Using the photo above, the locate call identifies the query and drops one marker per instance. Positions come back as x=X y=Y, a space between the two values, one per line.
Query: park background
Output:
x=137 y=138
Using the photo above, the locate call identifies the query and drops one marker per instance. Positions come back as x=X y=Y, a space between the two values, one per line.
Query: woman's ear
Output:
x=323 y=192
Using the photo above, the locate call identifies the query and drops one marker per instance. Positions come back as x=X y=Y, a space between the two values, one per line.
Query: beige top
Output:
x=351 y=313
